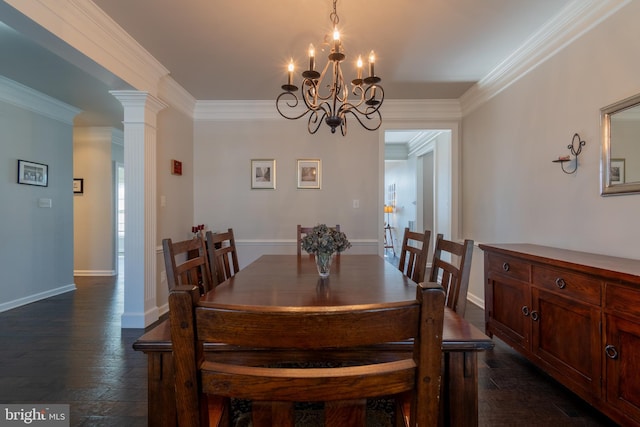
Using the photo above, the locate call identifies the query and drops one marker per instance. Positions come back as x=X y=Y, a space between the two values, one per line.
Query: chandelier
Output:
x=328 y=100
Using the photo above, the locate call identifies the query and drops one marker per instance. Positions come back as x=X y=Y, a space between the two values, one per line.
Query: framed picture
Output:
x=617 y=171
x=176 y=167
x=31 y=173
x=263 y=174
x=78 y=185
x=309 y=173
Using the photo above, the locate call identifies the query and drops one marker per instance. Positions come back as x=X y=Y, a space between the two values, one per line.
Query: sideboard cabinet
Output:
x=575 y=315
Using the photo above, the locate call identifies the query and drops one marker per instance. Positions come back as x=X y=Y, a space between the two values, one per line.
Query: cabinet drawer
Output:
x=511 y=267
x=622 y=299
x=578 y=286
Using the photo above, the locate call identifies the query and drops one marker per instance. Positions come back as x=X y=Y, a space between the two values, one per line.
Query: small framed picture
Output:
x=617 y=171
x=78 y=185
x=31 y=173
x=176 y=167
x=263 y=174
x=309 y=173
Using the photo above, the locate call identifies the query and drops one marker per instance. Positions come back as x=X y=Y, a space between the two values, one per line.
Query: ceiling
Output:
x=238 y=50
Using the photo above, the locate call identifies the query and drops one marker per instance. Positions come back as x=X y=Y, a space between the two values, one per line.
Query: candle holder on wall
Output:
x=575 y=151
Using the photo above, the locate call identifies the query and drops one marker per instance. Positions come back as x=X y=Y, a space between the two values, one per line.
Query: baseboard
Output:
x=476 y=300
x=102 y=273
x=36 y=297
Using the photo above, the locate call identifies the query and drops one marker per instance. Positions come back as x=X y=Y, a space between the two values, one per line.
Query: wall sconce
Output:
x=575 y=151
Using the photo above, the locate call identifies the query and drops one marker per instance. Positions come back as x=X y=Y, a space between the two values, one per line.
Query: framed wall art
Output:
x=263 y=174
x=617 y=171
x=31 y=173
x=309 y=173
x=176 y=167
x=78 y=185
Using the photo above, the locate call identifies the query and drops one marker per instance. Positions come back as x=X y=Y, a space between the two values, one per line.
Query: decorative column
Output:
x=140 y=113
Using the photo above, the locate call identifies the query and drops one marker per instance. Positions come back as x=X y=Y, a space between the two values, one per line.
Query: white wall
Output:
x=36 y=249
x=265 y=220
x=511 y=190
x=402 y=173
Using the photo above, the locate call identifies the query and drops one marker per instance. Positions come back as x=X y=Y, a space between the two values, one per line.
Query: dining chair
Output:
x=413 y=255
x=302 y=231
x=451 y=267
x=186 y=263
x=223 y=256
x=320 y=338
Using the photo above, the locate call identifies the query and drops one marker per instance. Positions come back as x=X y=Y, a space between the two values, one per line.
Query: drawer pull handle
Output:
x=561 y=283
x=611 y=352
x=534 y=316
x=525 y=310
x=505 y=266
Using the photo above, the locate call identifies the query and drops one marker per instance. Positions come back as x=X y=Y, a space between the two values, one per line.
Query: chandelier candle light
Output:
x=329 y=101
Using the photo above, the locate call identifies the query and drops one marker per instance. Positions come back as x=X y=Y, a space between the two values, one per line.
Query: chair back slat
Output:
x=413 y=255
x=313 y=330
x=223 y=256
x=453 y=274
x=186 y=263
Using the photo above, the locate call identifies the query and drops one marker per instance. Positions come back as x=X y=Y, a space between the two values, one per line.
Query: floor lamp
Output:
x=388 y=243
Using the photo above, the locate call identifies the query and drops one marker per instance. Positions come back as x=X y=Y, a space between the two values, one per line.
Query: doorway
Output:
x=418 y=166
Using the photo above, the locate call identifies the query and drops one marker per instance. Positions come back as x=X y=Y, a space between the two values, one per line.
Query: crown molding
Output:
x=98 y=134
x=574 y=20
x=26 y=98
x=171 y=92
x=407 y=110
x=422 y=109
x=88 y=29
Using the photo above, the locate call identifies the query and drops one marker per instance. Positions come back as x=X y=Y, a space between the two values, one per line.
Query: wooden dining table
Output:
x=292 y=283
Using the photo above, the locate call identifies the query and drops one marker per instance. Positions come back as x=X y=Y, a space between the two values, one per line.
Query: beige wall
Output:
x=512 y=192
x=175 y=193
x=265 y=220
x=93 y=210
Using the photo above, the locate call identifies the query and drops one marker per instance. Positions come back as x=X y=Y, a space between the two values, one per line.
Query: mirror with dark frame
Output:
x=620 y=160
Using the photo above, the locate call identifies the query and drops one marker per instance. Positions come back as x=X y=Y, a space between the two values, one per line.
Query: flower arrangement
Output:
x=323 y=239
x=198 y=230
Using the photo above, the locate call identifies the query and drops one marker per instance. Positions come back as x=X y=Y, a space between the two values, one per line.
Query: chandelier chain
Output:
x=333 y=16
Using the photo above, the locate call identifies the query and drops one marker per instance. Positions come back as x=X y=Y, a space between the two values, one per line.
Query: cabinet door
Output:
x=622 y=349
x=508 y=305
x=566 y=338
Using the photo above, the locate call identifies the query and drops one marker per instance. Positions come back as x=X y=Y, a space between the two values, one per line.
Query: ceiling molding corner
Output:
x=175 y=95
x=88 y=29
x=575 y=19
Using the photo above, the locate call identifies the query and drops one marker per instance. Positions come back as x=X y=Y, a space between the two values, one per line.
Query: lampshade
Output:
x=388 y=209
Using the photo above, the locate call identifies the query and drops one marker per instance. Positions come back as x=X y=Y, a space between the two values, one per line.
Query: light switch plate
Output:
x=44 y=203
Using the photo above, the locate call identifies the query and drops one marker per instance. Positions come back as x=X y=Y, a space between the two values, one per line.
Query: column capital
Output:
x=139 y=106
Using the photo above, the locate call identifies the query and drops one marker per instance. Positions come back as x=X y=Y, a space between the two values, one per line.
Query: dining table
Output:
x=292 y=283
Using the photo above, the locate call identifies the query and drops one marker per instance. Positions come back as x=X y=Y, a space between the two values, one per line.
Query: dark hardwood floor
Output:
x=70 y=349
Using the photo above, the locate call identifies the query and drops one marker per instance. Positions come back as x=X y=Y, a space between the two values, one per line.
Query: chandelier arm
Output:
x=371 y=115
x=316 y=119
x=290 y=105
x=370 y=108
